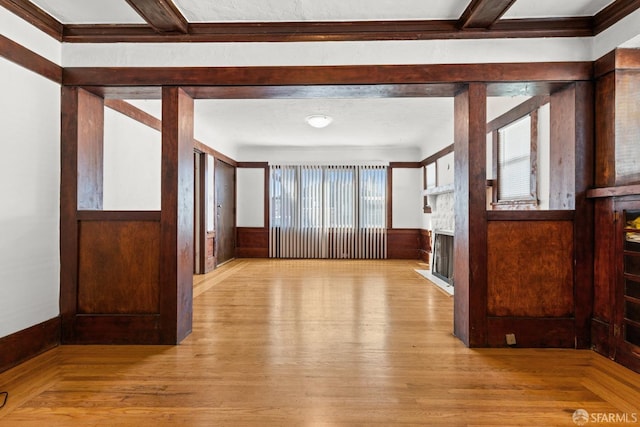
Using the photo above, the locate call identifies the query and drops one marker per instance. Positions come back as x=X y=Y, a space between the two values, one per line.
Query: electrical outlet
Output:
x=511 y=339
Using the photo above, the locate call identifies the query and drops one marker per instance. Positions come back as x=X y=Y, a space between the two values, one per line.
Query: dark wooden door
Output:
x=225 y=177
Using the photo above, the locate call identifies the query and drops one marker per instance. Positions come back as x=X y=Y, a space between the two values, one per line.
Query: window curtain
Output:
x=328 y=212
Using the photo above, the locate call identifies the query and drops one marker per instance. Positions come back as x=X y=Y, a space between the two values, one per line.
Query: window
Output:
x=328 y=211
x=517 y=161
x=514 y=161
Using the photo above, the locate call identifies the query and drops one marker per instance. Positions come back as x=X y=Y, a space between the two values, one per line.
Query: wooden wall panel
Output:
x=605 y=131
x=403 y=243
x=90 y=150
x=118 y=271
x=627 y=127
x=604 y=260
x=563 y=149
x=530 y=268
x=252 y=242
x=210 y=252
x=425 y=245
x=532 y=333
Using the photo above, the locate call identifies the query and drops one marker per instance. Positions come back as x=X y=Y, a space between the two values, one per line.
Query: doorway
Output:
x=225 y=222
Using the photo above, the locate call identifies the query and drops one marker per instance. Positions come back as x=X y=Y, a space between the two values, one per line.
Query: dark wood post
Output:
x=81 y=184
x=176 y=247
x=470 y=240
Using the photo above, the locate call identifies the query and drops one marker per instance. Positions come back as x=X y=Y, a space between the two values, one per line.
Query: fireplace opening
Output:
x=443 y=255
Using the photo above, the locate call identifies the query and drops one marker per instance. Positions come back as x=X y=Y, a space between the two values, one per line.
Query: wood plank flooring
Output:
x=316 y=343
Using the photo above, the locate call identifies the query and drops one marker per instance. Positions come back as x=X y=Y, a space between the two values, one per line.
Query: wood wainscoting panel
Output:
x=532 y=333
x=530 y=268
x=425 y=245
x=252 y=242
x=27 y=343
x=118 y=267
x=403 y=243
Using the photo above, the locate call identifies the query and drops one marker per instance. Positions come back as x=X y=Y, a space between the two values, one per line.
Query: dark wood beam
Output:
x=162 y=15
x=330 y=31
x=328 y=75
x=613 y=13
x=30 y=60
x=483 y=13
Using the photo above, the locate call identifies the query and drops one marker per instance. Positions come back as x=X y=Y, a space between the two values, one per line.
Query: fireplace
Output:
x=443 y=255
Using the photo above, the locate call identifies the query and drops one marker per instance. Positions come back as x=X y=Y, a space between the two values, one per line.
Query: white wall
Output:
x=406 y=207
x=132 y=164
x=29 y=193
x=327 y=155
x=250 y=197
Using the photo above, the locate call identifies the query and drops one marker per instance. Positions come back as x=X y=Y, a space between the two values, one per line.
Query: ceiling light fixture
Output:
x=318 y=120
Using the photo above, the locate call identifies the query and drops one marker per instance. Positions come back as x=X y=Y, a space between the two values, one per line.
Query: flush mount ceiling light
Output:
x=318 y=120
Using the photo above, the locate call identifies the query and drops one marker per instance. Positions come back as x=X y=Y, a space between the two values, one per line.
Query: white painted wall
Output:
x=406 y=206
x=30 y=37
x=337 y=155
x=30 y=202
x=326 y=53
x=250 y=197
x=132 y=164
x=446 y=173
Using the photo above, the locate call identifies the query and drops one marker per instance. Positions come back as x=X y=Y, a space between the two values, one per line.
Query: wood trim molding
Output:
x=35 y=16
x=517 y=112
x=162 y=15
x=228 y=32
x=613 y=13
x=328 y=75
x=28 y=343
x=437 y=155
x=216 y=154
x=253 y=165
x=404 y=165
x=483 y=13
x=118 y=216
x=530 y=215
x=30 y=60
x=625 y=190
x=134 y=113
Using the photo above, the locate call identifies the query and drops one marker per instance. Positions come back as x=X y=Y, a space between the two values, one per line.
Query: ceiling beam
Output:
x=483 y=13
x=162 y=15
x=613 y=13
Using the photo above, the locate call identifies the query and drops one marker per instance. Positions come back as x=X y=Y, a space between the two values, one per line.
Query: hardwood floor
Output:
x=316 y=343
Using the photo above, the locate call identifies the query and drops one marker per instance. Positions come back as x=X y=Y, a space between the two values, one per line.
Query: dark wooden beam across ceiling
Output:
x=162 y=15
x=483 y=13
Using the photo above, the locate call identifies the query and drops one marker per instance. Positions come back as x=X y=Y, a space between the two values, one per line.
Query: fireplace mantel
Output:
x=441 y=189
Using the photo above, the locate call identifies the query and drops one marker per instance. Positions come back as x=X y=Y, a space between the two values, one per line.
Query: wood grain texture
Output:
x=319 y=31
x=483 y=13
x=252 y=242
x=162 y=15
x=176 y=225
x=532 y=332
x=30 y=60
x=23 y=345
x=562 y=156
x=90 y=128
x=403 y=243
x=470 y=239
x=225 y=201
x=627 y=127
x=584 y=222
x=134 y=113
x=605 y=119
x=328 y=75
x=613 y=13
x=530 y=269
x=425 y=245
x=118 y=271
x=292 y=343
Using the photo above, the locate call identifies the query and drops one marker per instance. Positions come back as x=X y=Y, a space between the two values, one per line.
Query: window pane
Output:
x=514 y=162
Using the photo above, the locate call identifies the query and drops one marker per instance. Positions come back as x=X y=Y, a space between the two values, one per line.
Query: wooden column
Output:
x=81 y=183
x=470 y=241
x=176 y=246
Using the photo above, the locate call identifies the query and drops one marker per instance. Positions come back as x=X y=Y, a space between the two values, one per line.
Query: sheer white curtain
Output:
x=328 y=211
